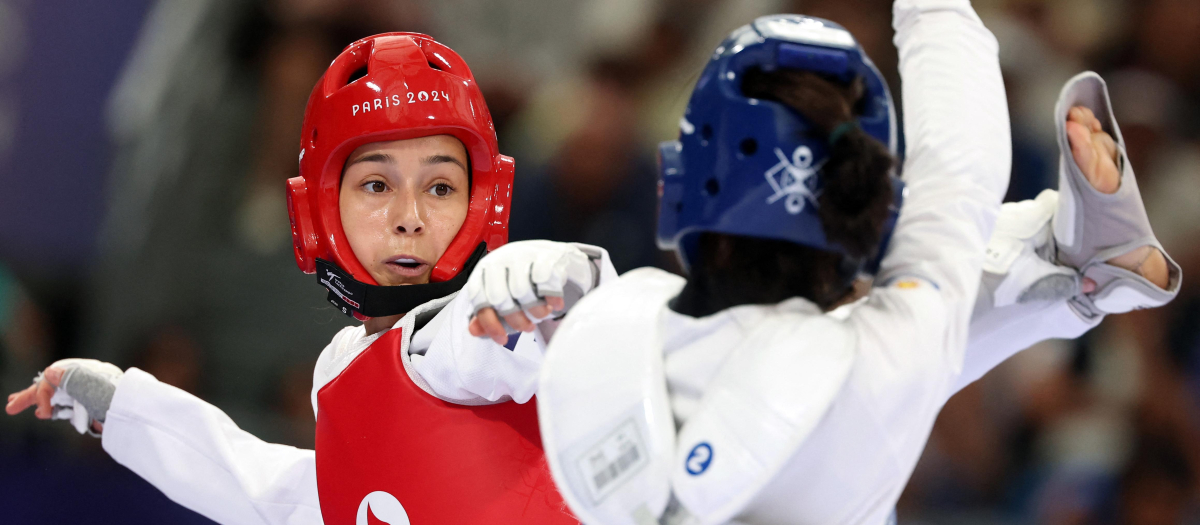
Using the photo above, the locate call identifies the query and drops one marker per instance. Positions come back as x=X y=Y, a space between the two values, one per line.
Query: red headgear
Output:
x=386 y=87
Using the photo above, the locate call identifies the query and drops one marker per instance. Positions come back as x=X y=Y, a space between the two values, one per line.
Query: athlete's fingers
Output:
x=474 y=327
x=490 y=322
x=520 y=288
x=54 y=376
x=45 y=391
x=540 y=312
x=19 y=401
x=556 y=303
x=518 y=321
x=549 y=272
x=495 y=286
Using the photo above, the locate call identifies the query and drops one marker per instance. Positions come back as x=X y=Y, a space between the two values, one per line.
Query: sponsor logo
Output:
x=794 y=180
x=699 y=459
x=380 y=507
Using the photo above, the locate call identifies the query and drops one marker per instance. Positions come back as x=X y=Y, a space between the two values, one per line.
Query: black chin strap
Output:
x=351 y=295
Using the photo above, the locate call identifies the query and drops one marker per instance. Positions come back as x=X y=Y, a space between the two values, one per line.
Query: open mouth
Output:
x=407 y=265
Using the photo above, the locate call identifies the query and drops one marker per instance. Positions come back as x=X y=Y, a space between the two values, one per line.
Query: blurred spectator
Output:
x=598 y=188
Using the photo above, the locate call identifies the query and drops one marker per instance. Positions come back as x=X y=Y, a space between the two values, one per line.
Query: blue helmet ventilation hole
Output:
x=748 y=147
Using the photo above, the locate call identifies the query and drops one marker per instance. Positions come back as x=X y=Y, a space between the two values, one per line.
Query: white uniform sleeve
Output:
x=199 y=458
x=461 y=367
x=957 y=167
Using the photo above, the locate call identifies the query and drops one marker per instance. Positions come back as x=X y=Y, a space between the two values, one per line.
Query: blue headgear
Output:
x=749 y=167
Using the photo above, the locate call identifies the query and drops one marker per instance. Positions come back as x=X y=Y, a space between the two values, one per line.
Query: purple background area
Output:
x=52 y=184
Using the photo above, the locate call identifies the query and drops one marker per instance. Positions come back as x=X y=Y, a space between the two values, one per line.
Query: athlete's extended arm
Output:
x=189 y=449
x=957 y=166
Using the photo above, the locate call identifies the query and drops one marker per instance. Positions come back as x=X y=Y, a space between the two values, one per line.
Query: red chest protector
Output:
x=386 y=449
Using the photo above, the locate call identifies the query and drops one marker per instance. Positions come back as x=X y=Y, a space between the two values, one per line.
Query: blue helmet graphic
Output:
x=744 y=166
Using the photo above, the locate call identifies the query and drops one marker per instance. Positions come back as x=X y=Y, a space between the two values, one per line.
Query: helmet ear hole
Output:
x=435 y=66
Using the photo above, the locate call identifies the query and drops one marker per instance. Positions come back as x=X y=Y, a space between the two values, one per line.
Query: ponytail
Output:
x=732 y=270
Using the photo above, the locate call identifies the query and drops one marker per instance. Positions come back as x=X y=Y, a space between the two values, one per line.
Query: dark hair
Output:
x=853 y=206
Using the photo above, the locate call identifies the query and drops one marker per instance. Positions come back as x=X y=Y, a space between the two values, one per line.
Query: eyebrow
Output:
x=373 y=157
x=438 y=159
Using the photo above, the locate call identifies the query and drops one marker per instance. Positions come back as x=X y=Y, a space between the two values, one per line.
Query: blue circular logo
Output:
x=699 y=459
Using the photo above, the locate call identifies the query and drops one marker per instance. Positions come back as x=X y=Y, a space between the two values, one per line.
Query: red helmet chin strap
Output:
x=393 y=86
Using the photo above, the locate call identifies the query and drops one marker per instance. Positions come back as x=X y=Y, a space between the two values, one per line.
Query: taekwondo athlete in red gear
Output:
x=402 y=189
x=479 y=462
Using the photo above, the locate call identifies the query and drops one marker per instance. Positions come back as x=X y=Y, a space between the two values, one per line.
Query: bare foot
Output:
x=1095 y=153
x=1094 y=150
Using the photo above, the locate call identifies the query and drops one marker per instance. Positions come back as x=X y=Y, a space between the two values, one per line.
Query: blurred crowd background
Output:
x=144 y=145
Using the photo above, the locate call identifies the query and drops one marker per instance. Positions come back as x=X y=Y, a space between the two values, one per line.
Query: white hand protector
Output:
x=1091 y=227
x=85 y=393
x=520 y=275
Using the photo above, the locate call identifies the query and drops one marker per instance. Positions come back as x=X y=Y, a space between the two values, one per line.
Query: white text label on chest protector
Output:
x=612 y=460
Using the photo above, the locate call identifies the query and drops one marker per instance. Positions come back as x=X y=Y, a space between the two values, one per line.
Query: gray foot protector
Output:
x=1092 y=227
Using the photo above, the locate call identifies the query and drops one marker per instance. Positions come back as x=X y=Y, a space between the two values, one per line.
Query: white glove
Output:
x=520 y=275
x=85 y=393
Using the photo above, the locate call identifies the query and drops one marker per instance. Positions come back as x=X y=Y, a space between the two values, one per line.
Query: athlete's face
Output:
x=402 y=202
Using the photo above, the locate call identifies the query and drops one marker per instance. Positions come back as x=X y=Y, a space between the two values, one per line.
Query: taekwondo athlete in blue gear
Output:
x=808 y=415
x=760 y=411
